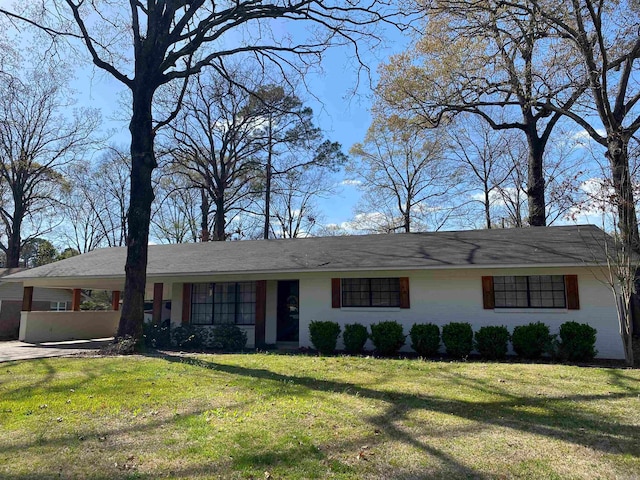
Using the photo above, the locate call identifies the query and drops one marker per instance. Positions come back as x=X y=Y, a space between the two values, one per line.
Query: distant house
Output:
x=274 y=288
x=11 y=295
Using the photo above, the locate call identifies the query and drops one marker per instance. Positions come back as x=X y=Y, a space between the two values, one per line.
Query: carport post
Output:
x=115 y=300
x=27 y=299
x=157 y=303
x=75 y=304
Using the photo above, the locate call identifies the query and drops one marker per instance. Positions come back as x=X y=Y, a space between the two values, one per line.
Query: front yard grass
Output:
x=286 y=417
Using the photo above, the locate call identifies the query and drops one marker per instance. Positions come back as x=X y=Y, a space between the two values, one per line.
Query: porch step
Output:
x=288 y=346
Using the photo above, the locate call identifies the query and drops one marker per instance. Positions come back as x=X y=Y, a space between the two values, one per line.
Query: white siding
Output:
x=440 y=297
x=443 y=296
x=176 y=305
x=13 y=291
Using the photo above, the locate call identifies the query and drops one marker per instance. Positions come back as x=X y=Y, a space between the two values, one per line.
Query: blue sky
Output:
x=344 y=117
x=342 y=113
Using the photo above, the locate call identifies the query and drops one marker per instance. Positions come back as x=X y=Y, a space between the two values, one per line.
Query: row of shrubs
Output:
x=574 y=342
x=227 y=338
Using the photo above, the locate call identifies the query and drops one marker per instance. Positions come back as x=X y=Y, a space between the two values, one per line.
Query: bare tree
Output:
x=82 y=227
x=175 y=218
x=482 y=154
x=603 y=37
x=563 y=167
x=490 y=59
x=294 y=202
x=96 y=202
x=149 y=44
x=405 y=176
x=286 y=131
x=36 y=141
x=215 y=146
x=620 y=272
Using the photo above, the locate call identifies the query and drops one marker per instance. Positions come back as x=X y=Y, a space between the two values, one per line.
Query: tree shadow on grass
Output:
x=262 y=456
x=554 y=417
x=43 y=381
x=89 y=374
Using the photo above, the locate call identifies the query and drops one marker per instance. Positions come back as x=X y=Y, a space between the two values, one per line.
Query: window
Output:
x=219 y=303
x=58 y=306
x=370 y=292
x=537 y=291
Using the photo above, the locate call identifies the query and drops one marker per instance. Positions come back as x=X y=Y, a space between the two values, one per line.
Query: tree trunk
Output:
x=535 y=182
x=625 y=324
x=407 y=221
x=14 y=240
x=487 y=205
x=204 y=218
x=267 y=187
x=142 y=164
x=219 y=223
x=618 y=156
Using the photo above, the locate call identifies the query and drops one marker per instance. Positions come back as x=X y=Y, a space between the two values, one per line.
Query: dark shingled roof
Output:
x=9 y=271
x=534 y=246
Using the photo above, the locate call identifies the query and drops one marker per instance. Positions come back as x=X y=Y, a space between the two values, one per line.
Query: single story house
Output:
x=274 y=288
x=53 y=299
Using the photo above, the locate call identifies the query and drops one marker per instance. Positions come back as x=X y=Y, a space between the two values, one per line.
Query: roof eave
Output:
x=37 y=281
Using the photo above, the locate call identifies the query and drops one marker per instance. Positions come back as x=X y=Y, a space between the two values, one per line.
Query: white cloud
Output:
x=583 y=138
x=351 y=182
x=367 y=222
x=497 y=197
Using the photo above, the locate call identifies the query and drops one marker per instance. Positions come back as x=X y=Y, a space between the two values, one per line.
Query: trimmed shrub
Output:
x=156 y=336
x=577 y=341
x=425 y=339
x=532 y=340
x=205 y=334
x=324 y=336
x=492 y=342
x=354 y=337
x=186 y=336
x=229 y=338
x=458 y=339
x=387 y=337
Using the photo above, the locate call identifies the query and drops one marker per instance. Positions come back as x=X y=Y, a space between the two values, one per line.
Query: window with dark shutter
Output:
x=373 y=292
x=532 y=291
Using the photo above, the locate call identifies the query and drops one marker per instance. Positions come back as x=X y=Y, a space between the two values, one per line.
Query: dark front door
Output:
x=288 y=310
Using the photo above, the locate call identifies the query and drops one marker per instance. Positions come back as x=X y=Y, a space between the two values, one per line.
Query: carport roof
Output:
x=532 y=246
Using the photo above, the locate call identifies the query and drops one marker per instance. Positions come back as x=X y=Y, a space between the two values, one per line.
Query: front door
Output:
x=288 y=310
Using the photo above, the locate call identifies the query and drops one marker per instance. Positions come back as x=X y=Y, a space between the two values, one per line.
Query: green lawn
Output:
x=283 y=417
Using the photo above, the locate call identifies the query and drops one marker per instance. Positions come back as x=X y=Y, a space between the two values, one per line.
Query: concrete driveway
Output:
x=14 y=350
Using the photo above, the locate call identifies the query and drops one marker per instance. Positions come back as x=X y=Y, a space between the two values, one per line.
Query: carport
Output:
x=75 y=324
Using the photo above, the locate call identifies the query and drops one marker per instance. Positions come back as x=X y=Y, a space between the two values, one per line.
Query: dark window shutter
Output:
x=488 y=296
x=404 y=292
x=261 y=312
x=571 y=286
x=186 y=303
x=335 y=293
